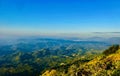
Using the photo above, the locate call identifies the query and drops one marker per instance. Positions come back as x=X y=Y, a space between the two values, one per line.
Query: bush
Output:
x=116 y=72
x=111 y=50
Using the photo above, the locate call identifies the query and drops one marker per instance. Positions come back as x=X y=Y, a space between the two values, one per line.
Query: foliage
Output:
x=111 y=50
x=101 y=65
x=58 y=58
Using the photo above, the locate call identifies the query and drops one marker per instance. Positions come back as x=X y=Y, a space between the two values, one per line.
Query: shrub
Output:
x=111 y=50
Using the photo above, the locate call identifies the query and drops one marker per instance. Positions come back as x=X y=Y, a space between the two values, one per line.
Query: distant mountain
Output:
x=29 y=45
x=109 y=40
x=114 y=40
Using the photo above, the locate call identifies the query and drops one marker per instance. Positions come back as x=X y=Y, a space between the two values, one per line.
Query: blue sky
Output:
x=59 y=16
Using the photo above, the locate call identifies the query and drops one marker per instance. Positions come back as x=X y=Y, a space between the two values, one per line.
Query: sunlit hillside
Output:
x=101 y=65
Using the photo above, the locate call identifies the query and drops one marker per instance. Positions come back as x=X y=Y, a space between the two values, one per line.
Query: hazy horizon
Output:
x=64 y=35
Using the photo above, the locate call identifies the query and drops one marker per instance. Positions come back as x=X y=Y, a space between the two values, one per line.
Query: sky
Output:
x=35 y=17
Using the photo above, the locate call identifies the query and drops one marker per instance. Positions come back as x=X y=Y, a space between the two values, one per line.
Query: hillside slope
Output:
x=106 y=64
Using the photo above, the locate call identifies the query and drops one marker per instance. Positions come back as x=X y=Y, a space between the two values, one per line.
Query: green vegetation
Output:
x=101 y=65
x=60 y=58
x=111 y=50
x=36 y=62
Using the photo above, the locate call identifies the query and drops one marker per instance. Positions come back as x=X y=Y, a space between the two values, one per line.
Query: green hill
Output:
x=106 y=64
x=62 y=62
